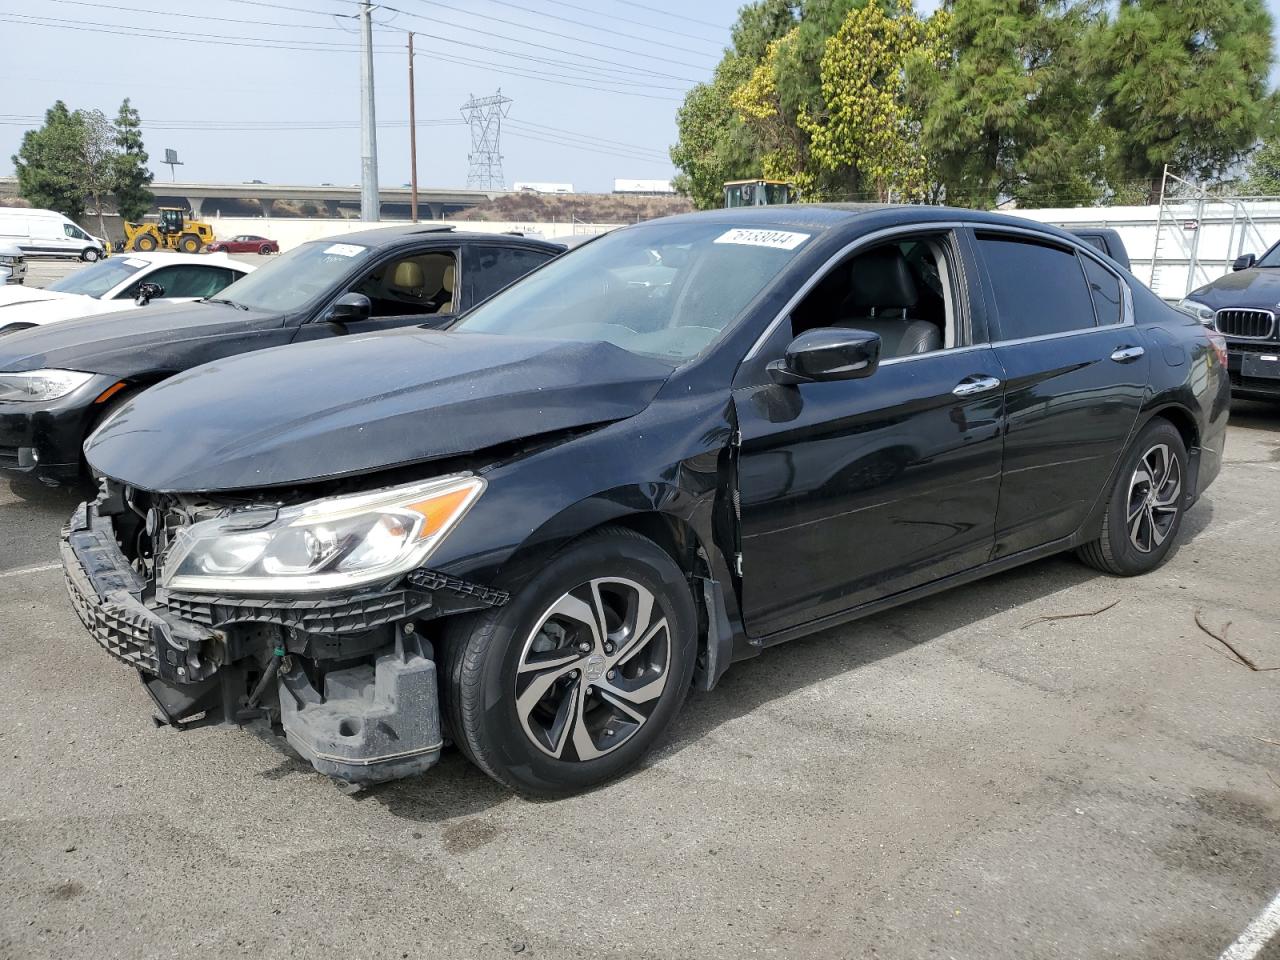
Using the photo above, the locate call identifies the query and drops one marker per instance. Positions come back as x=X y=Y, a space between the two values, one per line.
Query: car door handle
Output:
x=1127 y=354
x=971 y=386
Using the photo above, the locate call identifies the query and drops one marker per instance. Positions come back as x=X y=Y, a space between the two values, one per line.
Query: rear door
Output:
x=1075 y=379
x=490 y=267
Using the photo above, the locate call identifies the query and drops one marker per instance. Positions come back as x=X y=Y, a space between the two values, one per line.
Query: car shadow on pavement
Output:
x=1255 y=415
x=779 y=671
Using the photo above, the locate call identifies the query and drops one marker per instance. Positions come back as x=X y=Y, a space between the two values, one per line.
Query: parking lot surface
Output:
x=963 y=777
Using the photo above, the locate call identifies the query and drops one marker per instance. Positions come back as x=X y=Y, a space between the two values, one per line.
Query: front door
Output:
x=854 y=490
x=1076 y=377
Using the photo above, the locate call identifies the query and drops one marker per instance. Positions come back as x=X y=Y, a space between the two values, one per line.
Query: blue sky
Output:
x=269 y=89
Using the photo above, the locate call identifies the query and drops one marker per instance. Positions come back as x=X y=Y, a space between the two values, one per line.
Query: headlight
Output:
x=336 y=542
x=41 y=384
x=1198 y=310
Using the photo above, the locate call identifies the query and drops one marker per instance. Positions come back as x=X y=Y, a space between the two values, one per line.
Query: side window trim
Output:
x=1079 y=248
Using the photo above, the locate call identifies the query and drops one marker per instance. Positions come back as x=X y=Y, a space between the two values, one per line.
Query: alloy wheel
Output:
x=593 y=669
x=1155 y=496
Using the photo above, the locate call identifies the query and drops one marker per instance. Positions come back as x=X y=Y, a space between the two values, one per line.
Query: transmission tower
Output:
x=485 y=114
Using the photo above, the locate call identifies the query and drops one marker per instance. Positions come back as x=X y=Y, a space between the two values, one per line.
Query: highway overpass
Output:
x=202 y=198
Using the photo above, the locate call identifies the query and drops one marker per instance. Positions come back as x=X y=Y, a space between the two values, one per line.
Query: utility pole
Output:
x=368 y=131
x=413 y=143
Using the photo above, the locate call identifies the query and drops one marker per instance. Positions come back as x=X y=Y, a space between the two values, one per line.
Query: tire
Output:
x=90 y=255
x=1153 y=474
x=263 y=250
x=504 y=718
x=145 y=243
x=15 y=327
x=106 y=413
x=189 y=243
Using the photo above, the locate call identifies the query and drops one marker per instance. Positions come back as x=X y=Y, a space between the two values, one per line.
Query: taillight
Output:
x=1219 y=343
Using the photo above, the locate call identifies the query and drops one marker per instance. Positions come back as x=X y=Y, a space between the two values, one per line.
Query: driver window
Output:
x=901 y=290
x=421 y=283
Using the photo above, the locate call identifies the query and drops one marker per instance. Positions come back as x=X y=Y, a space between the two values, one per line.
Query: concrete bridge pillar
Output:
x=197 y=205
x=331 y=208
x=266 y=205
x=434 y=210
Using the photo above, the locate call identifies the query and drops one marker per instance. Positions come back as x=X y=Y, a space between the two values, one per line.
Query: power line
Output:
x=200 y=16
x=526 y=135
x=591 y=43
x=587 y=139
x=638 y=23
x=671 y=15
x=578 y=23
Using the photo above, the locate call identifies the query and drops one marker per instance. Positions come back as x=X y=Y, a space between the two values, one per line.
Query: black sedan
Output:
x=1242 y=306
x=59 y=382
x=535 y=532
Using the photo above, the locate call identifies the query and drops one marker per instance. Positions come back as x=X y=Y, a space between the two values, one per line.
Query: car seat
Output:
x=881 y=281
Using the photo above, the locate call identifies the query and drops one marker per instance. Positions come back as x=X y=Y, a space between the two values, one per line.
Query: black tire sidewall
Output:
x=1126 y=557
x=501 y=740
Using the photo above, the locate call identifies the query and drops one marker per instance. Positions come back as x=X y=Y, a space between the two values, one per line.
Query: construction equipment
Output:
x=757 y=193
x=171 y=231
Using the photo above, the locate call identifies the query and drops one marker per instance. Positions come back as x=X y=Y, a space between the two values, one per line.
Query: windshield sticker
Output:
x=344 y=249
x=135 y=262
x=778 y=239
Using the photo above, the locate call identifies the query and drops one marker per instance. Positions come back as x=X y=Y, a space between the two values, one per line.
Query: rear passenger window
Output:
x=1104 y=287
x=1039 y=289
x=492 y=268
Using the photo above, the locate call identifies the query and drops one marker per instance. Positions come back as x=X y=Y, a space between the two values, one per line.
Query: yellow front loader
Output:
x=172 y=231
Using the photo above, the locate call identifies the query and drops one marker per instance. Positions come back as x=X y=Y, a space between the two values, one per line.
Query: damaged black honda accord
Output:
x=532 y=534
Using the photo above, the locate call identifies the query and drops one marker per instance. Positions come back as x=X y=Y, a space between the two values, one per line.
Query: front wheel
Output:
x=1147 y=502
x=574 y=679
x=90 y=254
x=189 y=243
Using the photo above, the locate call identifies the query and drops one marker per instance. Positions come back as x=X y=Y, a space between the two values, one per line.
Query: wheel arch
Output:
x=1188 y=428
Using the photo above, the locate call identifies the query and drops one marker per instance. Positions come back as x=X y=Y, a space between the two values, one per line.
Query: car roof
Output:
x=167 y=256
x=413 y=232
x=825 y=216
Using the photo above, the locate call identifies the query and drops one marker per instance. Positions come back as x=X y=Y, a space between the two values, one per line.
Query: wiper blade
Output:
x=230 y=303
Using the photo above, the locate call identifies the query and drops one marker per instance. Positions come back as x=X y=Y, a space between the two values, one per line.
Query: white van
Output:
x=47 y=233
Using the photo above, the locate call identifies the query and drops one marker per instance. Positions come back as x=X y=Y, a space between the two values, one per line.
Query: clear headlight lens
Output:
x=1198 y=310
x=336 y=542
x=41 y=384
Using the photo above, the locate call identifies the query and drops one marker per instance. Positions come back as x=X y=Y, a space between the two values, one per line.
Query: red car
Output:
x=245 y=243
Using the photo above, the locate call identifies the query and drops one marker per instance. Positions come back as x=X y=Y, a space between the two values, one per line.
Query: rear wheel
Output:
x=189 y=243
x=574 y=679
x=1145 y=509
x=264 y=250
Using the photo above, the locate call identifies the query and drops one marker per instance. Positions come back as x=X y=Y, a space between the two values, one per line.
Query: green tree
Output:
x=1184 y=84
x=132 y=177
x=1008 y=113
x=98 y=159
x=869 y=123
x=49 y=165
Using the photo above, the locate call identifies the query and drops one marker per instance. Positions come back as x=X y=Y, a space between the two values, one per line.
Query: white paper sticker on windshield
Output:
x=780 y=239
x=135 y=262
x=344 y=249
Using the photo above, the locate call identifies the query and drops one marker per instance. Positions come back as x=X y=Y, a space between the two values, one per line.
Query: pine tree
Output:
x=132 y=177
x=49 y=165
x=1185 y=84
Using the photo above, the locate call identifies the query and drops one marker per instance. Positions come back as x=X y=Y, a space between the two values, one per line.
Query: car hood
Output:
x=122 y=345
x=1255 y=287
x=15 y=294
x=356 y=405
x=66 y=307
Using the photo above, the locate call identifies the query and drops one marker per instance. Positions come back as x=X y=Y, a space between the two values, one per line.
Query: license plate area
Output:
x=1265 y=365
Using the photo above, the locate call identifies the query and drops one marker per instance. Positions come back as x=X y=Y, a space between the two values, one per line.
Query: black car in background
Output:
x=1242 y=306
x=534 y=532
x=1105 y=239
x=57 y=383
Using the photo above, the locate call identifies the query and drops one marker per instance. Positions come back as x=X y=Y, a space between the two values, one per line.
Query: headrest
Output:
x=447 y=280
x=881 y=278
x=408 y=275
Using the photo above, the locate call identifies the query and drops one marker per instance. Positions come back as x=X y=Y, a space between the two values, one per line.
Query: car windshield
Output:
x=664 y=289
x=298 y=277
x=1271 y=258
x=96 y=280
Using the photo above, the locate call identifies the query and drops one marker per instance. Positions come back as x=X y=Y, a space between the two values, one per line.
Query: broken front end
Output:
x=309 y=618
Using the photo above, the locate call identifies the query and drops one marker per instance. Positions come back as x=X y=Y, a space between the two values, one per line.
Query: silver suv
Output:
x=13 y=264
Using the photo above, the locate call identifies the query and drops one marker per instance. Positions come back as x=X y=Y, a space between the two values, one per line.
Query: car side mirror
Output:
x=350 y=307
x=148 y=292
x=1244 y=262
x=828 y=353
